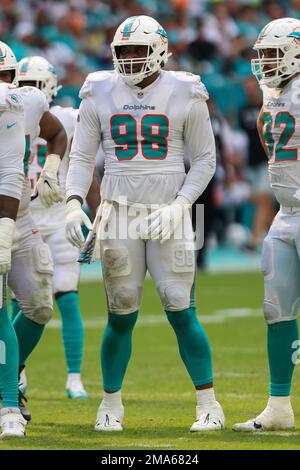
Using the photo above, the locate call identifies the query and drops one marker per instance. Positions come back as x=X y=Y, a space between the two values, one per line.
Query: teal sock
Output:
x=72 y=330
x=29 y=334
x=9 y=359
x=281 y=337
x=193 y=345
x=14 y=309
x=116 y=349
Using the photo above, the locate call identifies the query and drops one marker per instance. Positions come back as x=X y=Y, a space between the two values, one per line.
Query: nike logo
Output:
x=257 y=425
x=11 y=125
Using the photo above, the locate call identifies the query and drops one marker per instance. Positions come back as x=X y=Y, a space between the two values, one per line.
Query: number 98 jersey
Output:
x=142 y=132
x=281 y=129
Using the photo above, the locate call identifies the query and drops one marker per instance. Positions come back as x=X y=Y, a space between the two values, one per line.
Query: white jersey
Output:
x=48 y=219
x=35 y=105
x=281 y=128
x=12 y=138
x=143 y=133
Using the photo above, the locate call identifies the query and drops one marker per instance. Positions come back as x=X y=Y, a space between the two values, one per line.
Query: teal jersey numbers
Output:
x=152 y=134
x=279 y=150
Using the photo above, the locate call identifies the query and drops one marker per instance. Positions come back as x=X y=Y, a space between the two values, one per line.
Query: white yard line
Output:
x=218 y=316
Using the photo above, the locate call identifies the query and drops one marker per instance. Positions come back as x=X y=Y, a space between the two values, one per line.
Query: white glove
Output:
x=47 y=186
x=162 y=223
x=74 y=218
x=7 y=227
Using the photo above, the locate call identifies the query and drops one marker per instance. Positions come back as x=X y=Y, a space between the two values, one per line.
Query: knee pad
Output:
x=174 y=296
x=122 y=294
x=41 y=315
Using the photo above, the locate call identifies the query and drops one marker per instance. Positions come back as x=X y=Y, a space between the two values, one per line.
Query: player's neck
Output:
x=148 y=80
x=288 y=81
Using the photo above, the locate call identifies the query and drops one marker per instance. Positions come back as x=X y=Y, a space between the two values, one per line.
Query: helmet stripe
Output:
x=2 y=57
x=128 y=27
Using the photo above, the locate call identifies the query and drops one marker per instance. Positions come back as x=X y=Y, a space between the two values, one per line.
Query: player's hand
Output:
x=47 y=186
x=7 y=227
x=162 y=223
x=75 y=217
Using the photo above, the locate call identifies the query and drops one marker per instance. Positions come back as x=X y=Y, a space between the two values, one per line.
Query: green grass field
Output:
x=158 y=396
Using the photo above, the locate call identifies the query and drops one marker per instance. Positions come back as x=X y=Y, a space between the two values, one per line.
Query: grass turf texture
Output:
x=158 y=396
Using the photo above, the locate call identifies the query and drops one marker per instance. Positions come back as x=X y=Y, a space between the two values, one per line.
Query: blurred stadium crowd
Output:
x=213 y=38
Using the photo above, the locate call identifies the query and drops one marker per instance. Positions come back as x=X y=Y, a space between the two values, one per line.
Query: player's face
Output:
x=270 y=54
x=6 y=76
x=133 y=52
x=28 y=83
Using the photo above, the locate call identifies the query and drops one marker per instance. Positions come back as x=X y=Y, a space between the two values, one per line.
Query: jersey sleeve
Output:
x=198 y=136
x=84 y=148
x=10 y=99
x=12 y=149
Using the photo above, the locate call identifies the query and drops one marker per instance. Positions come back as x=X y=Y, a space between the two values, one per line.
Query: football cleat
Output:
x=108 y=420
x=209 y=417
x=271 y=419
x=12 y=423
x=23 y=408
x=75 y=389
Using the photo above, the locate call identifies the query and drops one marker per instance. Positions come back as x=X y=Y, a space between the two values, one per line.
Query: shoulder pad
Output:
x=10 y=98
x=87 y=87
x=198 y=89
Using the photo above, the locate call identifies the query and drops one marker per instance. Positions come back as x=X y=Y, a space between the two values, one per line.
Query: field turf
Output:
x=158 y=396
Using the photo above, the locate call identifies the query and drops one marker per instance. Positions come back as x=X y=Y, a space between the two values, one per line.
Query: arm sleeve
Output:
x=12 y=154
x=198 y=135
x=84 y=148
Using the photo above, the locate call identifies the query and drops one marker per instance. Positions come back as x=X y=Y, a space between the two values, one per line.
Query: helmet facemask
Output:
x=126 y=67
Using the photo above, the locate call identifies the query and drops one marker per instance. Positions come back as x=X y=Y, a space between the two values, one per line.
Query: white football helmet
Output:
x=8 y=60
x=283 y=36
x=145 y=31
x=38 y=69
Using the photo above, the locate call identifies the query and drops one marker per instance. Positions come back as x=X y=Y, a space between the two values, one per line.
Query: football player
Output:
x=143 y=116
x=38 y=72
x=277 y=69
x=31 y=272
x=11 y=183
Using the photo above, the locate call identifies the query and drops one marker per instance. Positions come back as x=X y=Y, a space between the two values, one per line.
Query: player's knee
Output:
x=40 y=314
x=174 y=296
x=272 y=313
x=125 y=299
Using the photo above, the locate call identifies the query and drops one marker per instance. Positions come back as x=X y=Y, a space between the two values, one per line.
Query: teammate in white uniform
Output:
x=143 y=117
x=30 y=277
x=11 y=180
x=278 y=71
x=38 y=72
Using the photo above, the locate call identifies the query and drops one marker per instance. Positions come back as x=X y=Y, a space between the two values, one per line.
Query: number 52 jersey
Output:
x=281 y=129
x=143 y=133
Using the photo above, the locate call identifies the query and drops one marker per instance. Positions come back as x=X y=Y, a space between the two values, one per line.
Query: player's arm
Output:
x=93 y=196
x=198 y=135
x=260 y=124
x=54 y=133
x=11 y=181
x=84 y=148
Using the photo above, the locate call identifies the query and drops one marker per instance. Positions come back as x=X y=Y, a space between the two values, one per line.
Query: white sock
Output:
x=9 y=409
x=73 y=376
x=112 y=401
x=279 y=402
x=205 y=397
